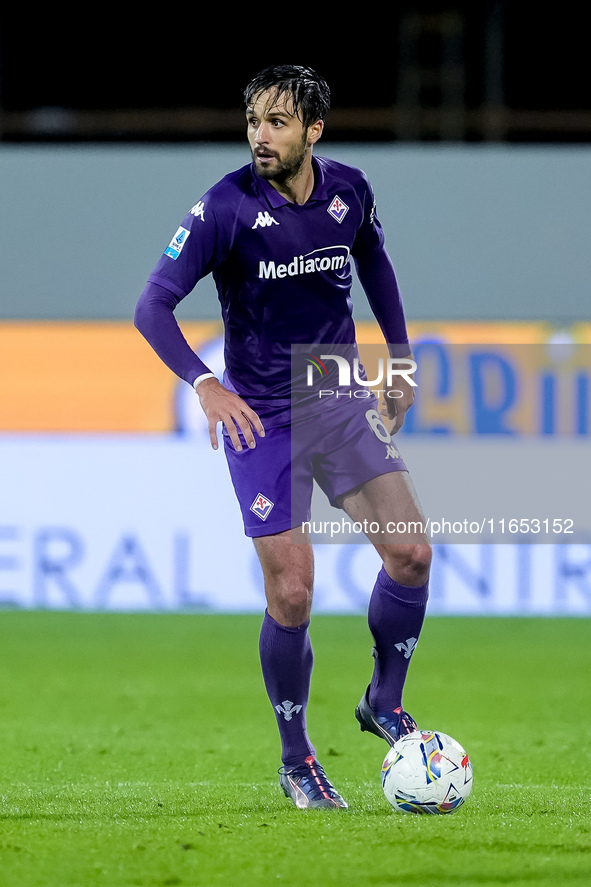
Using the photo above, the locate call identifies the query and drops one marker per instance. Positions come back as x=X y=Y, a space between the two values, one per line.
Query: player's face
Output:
x=279 y=143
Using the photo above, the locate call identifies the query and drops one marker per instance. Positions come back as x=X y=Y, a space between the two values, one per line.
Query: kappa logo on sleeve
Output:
x=177 y=243
x=198 y=210
x=262 y=506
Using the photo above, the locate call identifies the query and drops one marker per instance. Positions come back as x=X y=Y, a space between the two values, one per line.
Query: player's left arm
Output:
x=377 y=276
x=399 y=399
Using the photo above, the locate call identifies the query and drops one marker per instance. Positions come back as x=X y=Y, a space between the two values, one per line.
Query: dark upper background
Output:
x=490 y=71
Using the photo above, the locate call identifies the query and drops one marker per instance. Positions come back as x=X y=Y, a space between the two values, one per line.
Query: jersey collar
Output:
x=275 y=199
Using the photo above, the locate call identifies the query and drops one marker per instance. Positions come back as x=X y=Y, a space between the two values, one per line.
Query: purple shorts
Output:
x=341 y=449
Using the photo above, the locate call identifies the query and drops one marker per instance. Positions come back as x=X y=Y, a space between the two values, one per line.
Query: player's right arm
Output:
x=154 y=318
x=221 y=405
x=195 y=250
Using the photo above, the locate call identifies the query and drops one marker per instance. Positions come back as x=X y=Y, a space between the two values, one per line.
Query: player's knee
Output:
x=409 y=564
x=295 y=594
x=289 y=598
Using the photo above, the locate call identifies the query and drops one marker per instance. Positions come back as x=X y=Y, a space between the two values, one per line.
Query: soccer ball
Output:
x=426 y=772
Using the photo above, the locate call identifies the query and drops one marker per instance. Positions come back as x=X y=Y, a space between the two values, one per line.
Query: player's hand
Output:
x=399 y=399
x=221 y=405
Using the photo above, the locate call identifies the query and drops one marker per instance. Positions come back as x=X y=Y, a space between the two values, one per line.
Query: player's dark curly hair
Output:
x=309 y=92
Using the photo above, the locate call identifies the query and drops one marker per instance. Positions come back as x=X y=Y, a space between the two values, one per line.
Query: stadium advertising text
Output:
x=68 y=568
x=71 y=538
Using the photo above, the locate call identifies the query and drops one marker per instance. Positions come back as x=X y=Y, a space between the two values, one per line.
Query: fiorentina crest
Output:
x=262 y=506
x=408 y=647
x=338 y=209
x=288 y=709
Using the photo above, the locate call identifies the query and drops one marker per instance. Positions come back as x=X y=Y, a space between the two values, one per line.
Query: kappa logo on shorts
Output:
x=262 y=506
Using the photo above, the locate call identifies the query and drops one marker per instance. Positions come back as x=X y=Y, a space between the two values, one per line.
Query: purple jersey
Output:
x=283 y=276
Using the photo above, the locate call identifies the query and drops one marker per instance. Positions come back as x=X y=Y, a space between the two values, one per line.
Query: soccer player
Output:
x=278 y=236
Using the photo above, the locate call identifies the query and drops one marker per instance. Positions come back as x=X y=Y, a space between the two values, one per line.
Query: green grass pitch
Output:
x=141 y=750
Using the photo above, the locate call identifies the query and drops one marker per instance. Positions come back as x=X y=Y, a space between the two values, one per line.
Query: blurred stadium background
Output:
x=473 y=122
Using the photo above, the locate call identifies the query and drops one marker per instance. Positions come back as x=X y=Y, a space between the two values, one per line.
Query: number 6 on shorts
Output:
x=376 y=423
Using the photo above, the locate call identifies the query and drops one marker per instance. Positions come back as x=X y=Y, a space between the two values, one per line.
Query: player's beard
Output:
x=286 y=169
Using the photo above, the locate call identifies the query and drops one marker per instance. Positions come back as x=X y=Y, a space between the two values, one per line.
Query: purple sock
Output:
x=286 y=661
x=395 y=617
